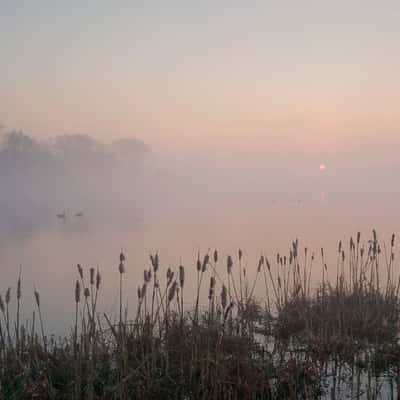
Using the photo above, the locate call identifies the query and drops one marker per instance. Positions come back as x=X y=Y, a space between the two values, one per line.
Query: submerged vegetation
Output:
x=222 y=342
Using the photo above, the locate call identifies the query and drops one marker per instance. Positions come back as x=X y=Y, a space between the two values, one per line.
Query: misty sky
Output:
x=225 y=77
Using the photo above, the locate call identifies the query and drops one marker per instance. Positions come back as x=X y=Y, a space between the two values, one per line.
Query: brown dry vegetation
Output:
x=228 y=345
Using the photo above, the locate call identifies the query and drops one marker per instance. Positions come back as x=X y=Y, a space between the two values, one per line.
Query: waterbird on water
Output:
x=62 y=216
x=79 y=214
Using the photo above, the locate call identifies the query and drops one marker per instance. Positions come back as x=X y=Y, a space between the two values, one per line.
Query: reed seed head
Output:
x=172 y=291
x=19 y=291
x=80 y=270
x=98 y=279
x=8 y=295
x=224 y=297
x=154 y=262
x=215 y=256
x=260 y=263
x=212 y=288
x=206 y=260
x=229 y=264
x=170 y=276
x=181 y=276
x=198 y=265
x=121 y=267
x=143 y=291
x=37 y=297
x=77 y=291
x=92 y=276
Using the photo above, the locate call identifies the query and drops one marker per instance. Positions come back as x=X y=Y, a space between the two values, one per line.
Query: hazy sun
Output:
x=322 y=167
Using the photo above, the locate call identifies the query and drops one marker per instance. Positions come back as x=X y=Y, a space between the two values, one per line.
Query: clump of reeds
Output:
x=224 y=343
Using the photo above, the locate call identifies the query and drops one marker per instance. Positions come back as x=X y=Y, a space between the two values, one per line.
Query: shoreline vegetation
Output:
x=336 y=341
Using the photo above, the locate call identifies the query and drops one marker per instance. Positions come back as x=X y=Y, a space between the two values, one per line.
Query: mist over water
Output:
x=142 y=201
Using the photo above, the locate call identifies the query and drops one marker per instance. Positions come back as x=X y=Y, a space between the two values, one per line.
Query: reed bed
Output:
x=299 y=340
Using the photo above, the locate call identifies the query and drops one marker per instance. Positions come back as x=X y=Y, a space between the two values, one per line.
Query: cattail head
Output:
x=8 y=295
x=86 y=293
x=92 y=276
x=358 y=237
x=260 y=263
x=392 y=242
x=215 y=256
x=19 y=291
x=139 y=292
x=80 y=270
x=198 y=265
x=122 y=257
x=212 y=287
x=77 y=291
x=206 y=260
x=340 y=247
x=143 y=291
x=170 y=276
x=37 y=297
x=121 y=267
x=229 y=264
x=154 y=262
x=295 y=244
x=171 y=292
x=322 y=252
x=2 y=307
x=224 y=297
x=181 y=276
x=240 y=254
x=98 y=279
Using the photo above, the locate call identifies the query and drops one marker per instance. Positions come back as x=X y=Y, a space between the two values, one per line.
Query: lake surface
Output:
x=49 y=254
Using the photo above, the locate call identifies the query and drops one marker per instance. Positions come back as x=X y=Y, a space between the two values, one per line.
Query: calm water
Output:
x=49 y=254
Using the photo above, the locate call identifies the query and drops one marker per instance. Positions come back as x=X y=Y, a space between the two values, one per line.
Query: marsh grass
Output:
x=229 y=344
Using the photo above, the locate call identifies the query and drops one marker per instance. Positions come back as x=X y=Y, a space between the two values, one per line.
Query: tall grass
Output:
x=224 y=343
